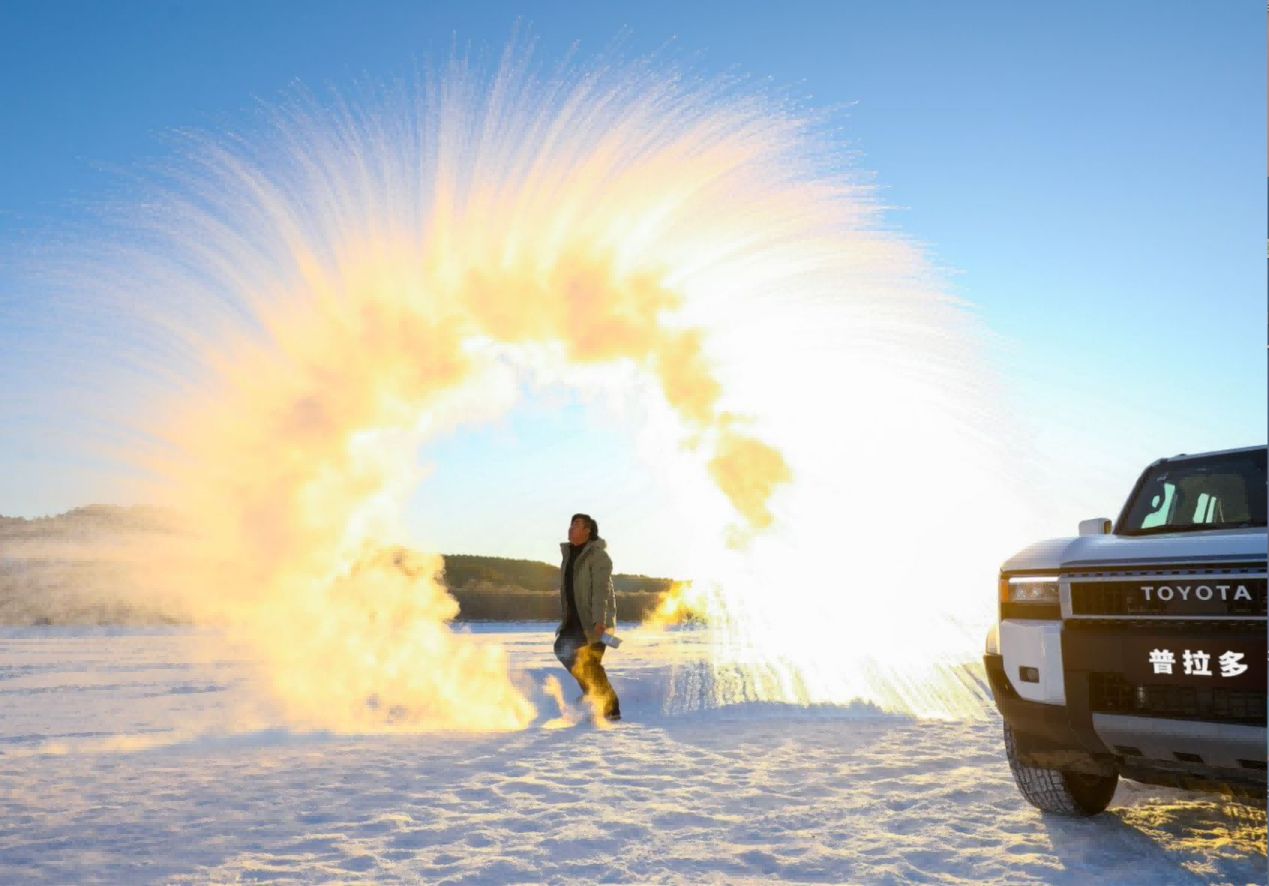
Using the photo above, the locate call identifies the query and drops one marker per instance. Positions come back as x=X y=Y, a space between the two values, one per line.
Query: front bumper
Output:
x=1115 y=717
x=1044 y=733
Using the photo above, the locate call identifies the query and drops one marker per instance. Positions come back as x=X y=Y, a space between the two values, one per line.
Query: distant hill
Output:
x=82 y=521
x=73 y=569
x=501 y=589
x=60 y=570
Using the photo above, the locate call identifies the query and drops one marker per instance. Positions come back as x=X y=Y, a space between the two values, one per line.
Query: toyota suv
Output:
x=1138 y=649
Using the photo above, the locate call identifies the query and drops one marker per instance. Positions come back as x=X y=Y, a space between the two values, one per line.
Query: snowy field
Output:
x=137 y=756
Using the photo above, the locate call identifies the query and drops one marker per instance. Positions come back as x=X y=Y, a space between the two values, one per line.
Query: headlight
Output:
x=1039 y=589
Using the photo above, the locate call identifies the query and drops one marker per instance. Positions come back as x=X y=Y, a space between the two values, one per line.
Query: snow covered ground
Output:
x=133 y=756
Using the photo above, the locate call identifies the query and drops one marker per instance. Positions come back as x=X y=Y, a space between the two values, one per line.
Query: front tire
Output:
x=1052 y=790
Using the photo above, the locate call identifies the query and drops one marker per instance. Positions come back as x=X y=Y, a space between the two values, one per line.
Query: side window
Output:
x=1160 y=507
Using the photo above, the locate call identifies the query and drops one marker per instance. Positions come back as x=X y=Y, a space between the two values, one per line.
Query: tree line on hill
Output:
x=59 y=570
x=501 y=589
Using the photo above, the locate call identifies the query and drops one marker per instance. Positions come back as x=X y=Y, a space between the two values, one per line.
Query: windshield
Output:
x=1220 y=492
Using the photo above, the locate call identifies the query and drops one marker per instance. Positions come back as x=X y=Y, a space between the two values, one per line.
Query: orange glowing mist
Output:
x=677 y=605
x=315 y=308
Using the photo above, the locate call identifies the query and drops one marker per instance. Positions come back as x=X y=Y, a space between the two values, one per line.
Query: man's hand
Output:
x=599 y=632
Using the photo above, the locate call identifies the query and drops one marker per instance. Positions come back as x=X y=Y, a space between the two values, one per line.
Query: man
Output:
x=588 y=607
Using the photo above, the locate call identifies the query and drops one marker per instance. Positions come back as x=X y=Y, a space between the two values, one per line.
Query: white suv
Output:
x=1140 y=650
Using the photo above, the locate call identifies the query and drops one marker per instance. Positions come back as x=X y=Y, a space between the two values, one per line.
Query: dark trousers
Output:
x=583 y=661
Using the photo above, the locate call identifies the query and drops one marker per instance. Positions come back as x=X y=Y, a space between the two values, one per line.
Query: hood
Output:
x=593 y=543
x=1233 y=545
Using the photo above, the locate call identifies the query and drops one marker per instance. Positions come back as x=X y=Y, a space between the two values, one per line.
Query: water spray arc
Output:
x=332 y=294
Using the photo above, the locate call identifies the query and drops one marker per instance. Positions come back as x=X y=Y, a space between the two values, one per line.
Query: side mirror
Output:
x=1095 y=526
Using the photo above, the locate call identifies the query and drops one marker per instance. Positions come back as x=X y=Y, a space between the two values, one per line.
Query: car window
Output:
x=1223 y=490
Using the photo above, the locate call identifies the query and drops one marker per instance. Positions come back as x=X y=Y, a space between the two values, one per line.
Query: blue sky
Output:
x=1090 y=176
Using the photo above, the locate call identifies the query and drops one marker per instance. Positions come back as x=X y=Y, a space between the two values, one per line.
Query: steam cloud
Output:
x=300 y=310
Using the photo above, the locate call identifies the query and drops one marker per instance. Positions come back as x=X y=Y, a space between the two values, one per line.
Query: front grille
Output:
x=1170 y=595
x=1112 y=694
